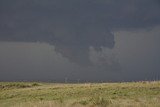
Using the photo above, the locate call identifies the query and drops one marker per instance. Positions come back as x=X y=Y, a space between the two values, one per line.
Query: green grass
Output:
x=28 y=94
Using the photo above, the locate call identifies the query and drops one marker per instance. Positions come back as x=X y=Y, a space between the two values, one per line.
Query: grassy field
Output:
x=29 y=94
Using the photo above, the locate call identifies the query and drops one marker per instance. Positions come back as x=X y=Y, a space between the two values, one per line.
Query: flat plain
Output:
x=38 y=94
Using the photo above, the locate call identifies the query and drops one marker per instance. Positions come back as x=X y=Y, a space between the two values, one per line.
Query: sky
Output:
x=79 y=40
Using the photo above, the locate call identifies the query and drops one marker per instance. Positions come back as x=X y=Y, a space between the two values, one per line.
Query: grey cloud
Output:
x=73 y=26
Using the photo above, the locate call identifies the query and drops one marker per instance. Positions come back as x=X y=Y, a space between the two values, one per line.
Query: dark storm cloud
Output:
x=73 y=26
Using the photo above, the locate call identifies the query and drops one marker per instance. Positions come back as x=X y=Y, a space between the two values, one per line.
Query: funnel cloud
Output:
x=82 y=31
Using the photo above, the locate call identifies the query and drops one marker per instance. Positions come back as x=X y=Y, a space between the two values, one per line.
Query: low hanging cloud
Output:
x=73 y=26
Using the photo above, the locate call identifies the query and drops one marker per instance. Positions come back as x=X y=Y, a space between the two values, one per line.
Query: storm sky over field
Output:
x=79 y=40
